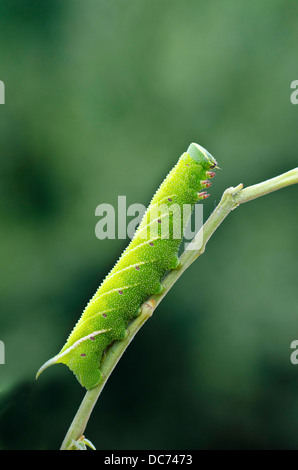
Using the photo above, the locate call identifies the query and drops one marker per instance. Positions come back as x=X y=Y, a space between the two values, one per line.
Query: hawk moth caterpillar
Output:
x=140 y=269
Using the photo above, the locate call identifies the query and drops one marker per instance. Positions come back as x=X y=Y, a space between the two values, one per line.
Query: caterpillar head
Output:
x=201 y=156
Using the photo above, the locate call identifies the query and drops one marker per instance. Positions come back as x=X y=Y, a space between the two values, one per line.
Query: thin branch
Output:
x=231 y=198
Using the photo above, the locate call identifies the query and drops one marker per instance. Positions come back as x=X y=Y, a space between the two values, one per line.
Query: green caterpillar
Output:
x=140 y=269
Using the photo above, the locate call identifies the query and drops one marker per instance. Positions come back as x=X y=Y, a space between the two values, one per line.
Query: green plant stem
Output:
x=231 y=198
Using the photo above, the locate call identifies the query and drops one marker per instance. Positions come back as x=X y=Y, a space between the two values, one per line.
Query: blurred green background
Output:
x=102 y=97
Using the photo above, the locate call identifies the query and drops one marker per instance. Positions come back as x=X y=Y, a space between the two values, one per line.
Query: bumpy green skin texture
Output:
x=137 y=274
